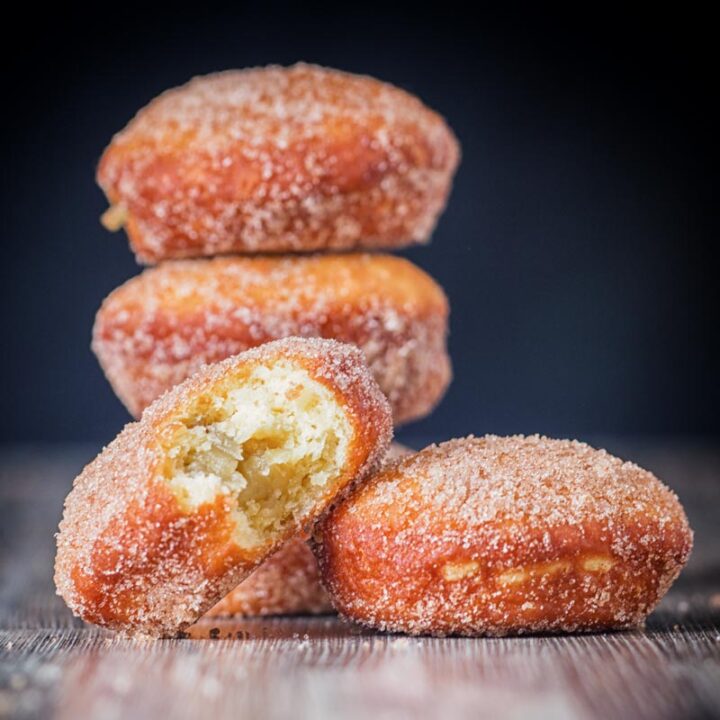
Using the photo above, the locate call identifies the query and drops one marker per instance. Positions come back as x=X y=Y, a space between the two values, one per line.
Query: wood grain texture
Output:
x=51 y=665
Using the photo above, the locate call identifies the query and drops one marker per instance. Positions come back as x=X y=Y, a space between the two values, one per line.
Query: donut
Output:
x=288 y=582
x=503 y=535
x=161 y=326
x=218 y=473
x=278 y=160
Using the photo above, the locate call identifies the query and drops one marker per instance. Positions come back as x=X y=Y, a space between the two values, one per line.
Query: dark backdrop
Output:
x=575 y=249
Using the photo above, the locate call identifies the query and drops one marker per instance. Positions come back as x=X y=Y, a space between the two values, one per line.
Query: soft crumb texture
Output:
x=288 y=582
x=163 y=325
x=278 y=160
x=220 y=471
x=504 y=535
x=272 y=444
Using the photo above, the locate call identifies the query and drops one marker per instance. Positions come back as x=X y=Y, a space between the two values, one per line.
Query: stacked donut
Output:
x=268 y=386
x=244 y=187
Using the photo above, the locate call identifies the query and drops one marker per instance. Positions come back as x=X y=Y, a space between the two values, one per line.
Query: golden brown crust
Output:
x=502 y=536
x=278 y=160
x=163 y=325
x=130 y=557
x=288 y=582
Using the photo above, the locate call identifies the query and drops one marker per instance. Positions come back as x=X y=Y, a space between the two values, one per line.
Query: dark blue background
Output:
x=576 y=248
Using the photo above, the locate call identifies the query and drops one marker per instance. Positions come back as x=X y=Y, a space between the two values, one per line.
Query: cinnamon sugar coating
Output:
x=134 y=556
x=278 y=160
x=495 y=536
x=163 y=325
x=288 y=582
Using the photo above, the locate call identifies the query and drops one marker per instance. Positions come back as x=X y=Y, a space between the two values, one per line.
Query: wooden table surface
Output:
x=52 y=665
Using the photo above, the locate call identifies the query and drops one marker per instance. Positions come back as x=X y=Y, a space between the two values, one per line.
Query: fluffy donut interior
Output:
x=275 y=442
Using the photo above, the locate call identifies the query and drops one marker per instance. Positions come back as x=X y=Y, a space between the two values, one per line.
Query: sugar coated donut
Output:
x=220 y=471
x=495 y=536
x=278 y=160
x=161 y=326
x=288 y=582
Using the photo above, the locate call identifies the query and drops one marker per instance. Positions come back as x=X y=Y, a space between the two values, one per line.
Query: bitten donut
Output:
x=288 y=582
x=161 y=326
x=496 y=536
x=278 y=160
x=219 y=472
